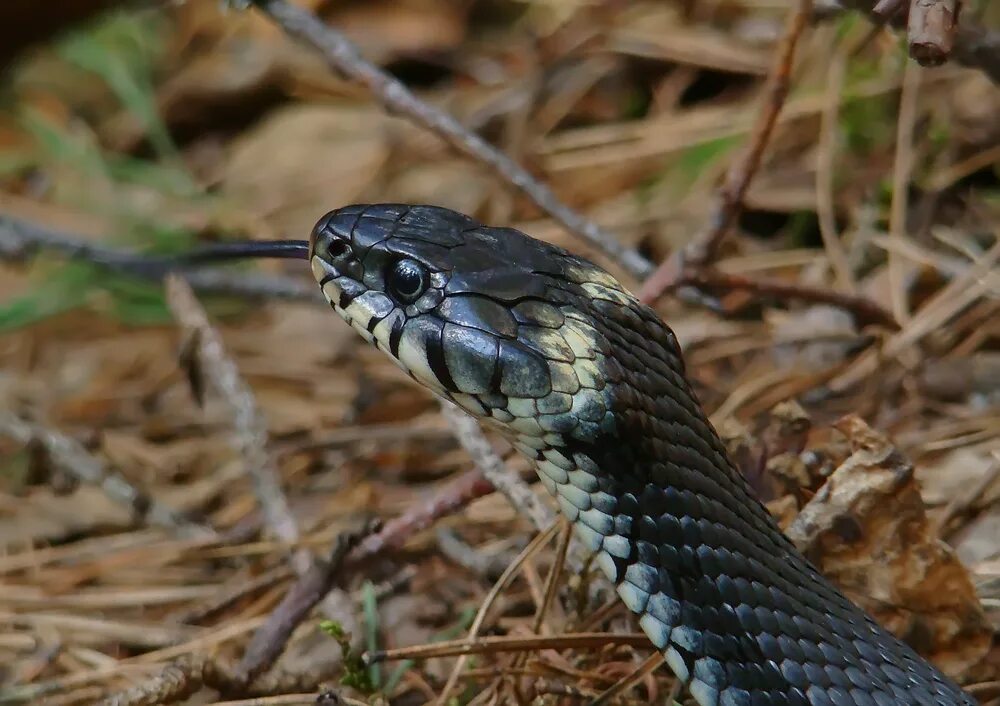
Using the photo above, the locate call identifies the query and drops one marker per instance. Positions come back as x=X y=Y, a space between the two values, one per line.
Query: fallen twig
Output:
x=248 y=424
x=177 y=681
x=188 y=675
x=69 y=456
x=728 y=200
x=482 y=645
x=269 y=641
x=344 y=57
x=901 y=171
x=456 y=494
x=864 y=310
x=350 y=551
x=184 y=677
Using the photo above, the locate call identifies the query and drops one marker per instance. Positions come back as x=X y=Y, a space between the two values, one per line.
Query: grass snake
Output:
x=589 y=384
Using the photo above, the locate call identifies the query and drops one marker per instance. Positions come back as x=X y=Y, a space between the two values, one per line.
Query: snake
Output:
x=553 y=353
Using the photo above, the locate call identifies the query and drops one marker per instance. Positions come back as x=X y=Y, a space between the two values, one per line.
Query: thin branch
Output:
x=186 y=676
x=728 y=200
x=344 y=57
x=474 y=644
x=70 y=457
x=455 y=495
x=176 y=682
x=248 y=424
x=825 y=159
x=269 y=641
x=864 y=310
x=350 y=550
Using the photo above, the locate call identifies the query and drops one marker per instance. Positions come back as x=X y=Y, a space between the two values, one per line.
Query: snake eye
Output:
x=407 y=280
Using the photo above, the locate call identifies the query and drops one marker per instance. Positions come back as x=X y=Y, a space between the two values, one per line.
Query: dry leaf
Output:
x=867 y=530
x=304 y=160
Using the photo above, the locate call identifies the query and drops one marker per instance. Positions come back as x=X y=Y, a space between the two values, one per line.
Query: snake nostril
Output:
x=338 y=249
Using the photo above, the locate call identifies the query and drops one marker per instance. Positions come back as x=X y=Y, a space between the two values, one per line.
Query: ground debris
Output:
x=853 y=270
x=867 y=529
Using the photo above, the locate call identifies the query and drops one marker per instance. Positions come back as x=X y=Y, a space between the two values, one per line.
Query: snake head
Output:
x=496 y=321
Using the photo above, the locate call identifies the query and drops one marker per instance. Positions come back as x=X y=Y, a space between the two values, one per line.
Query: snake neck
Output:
x=739 y=614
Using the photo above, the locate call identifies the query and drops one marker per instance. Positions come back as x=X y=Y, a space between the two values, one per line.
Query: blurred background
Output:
x=152 y=127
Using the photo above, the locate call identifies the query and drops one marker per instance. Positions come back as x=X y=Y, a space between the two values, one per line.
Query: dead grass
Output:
x=880 y=186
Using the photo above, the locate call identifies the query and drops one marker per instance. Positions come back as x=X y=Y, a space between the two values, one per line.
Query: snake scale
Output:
x=589 y=384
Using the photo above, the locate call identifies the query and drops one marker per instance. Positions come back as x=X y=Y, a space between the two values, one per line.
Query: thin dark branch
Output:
x=455 y=495
x=344 y=57
x=350 y=551
x=728 y=200
x=269 y=641
x=864 y=310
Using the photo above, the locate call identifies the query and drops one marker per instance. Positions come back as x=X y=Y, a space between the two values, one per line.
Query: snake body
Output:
x=590 y=385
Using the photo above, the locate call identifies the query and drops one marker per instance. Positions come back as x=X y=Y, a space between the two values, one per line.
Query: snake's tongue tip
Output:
x=255 y=249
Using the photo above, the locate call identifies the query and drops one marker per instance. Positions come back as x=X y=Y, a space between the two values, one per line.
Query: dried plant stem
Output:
x=728 y=200
x=482 y=645
x=184 y=677
x=903 y=165
x=555 y=573
x=70 y=457
x=456 y=494
x=344 y=57
x=863 y=309
x=508 y=575
x=176 y=682
x=249 y=426
x=269 y=641
x=824 y=176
